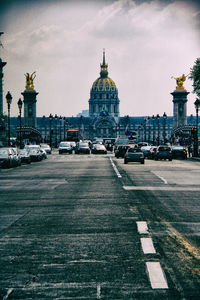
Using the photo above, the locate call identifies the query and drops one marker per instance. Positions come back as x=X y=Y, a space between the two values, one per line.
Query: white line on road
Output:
x=98 y=291
x=156 y=275
x=115 y=168
x=161 y=188
x=8 y=293
x=162 y=178
x=142 y=227
x=147 y=246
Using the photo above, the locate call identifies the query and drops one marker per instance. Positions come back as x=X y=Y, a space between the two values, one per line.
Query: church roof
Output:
x=104 y=83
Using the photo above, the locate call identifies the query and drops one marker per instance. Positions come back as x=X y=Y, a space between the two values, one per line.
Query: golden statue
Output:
x=179 y=82
x=29 y=81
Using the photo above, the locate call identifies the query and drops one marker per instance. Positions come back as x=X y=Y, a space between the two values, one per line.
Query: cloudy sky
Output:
x=146 y=43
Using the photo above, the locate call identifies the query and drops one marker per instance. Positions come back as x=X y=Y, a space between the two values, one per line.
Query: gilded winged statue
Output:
x=179 y=82
x=29 y=81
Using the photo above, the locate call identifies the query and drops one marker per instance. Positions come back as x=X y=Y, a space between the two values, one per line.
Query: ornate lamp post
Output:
x=20 y=103
x=50 y=129
x=60 y=118
x=196 y=148
x=153 y=118
x=164 y=127
x=148 y=118
x=56 y=125
x=158 y=137
x=9 y=101
x=67 y=123
x=145 y=131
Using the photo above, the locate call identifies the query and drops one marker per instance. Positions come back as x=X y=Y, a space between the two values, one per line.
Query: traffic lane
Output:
x=78 y=238
x=173 y=217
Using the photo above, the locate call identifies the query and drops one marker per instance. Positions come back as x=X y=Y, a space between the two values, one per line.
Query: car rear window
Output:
x=134 y=150
x=164 y=149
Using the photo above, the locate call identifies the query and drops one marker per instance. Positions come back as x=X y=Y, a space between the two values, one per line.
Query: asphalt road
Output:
x=90 y=227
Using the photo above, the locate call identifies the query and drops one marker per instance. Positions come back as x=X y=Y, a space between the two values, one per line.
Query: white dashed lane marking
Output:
x=142 y=227
x=156 y=275
x=115 y=168
x=147 y=246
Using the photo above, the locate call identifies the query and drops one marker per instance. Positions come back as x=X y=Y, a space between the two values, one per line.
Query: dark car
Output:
x=7 y=159
x=179 y=152
x=163 y=152
x=99 y=149
x=65 y=147
x=146 y=150
x=121 y=150
x=25 y=156
x=134 y=154
x=82 y=147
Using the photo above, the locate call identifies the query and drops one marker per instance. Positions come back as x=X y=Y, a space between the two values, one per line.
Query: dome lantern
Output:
x=104 y=67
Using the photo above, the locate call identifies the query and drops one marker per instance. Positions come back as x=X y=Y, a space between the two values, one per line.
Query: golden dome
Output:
x=105 y=84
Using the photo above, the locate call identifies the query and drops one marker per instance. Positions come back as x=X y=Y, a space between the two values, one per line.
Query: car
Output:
x=121 y=150
x=153 y=152
x=99 y=149
x=7 y=159
x=82 y=147
x=65 y=147
x=146 y=150
x=73 y=145
x=17 y=156
x=142 y=144
x=163 y=152
x=134 y=154
x=46 y=147
x=44 y=154
x=35 y=154
x=179 y=152
x=25 y=156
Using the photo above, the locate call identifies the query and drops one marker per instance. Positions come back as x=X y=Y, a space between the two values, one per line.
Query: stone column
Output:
x=180 y=108
x=30 y=108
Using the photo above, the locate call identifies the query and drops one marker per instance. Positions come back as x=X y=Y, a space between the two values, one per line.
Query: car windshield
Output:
x=178 y=148
x=83 y=144
x=3 y=151
x=64 y=144
x=33 y=150
x=44 y=146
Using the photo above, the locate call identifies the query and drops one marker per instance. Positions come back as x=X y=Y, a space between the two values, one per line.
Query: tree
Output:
x=195 y=76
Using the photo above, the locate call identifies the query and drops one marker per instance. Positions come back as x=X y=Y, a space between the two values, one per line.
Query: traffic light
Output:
x=193 y=132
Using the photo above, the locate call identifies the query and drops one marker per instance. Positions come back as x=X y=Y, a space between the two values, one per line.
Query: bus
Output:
x=73 y=135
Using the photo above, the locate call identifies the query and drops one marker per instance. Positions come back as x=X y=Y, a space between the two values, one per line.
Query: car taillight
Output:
x=185 y=151
x=170 y=151
x=126 y=154
x=142 y=154
x=157 y=151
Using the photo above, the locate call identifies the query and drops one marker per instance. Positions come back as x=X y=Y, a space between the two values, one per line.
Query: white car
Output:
x=65 y=147
x=46 y=147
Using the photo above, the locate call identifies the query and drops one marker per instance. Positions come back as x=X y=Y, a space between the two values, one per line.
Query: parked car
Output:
x=134 y=154
x=17 y=156
x=44 y=154
x=46 y=147
x=142 y=144
x=163 y=152
x=179 y=152
x=7 y=159
x=99 y=149
x=25 y=156
x=121 y=150
x=35 y=154
x=65 y=147
x=82 y=147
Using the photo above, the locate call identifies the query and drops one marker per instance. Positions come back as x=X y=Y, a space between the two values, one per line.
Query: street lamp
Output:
x=158 y=137
x=20 y=103
x=148 y=118
x=9 y=101
x=64 y=126
x=164 y=127
x=56 y=125
x=153 y=118
x=50 y=127
x=197 y=106
x=145 y=131
x=60 y=118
